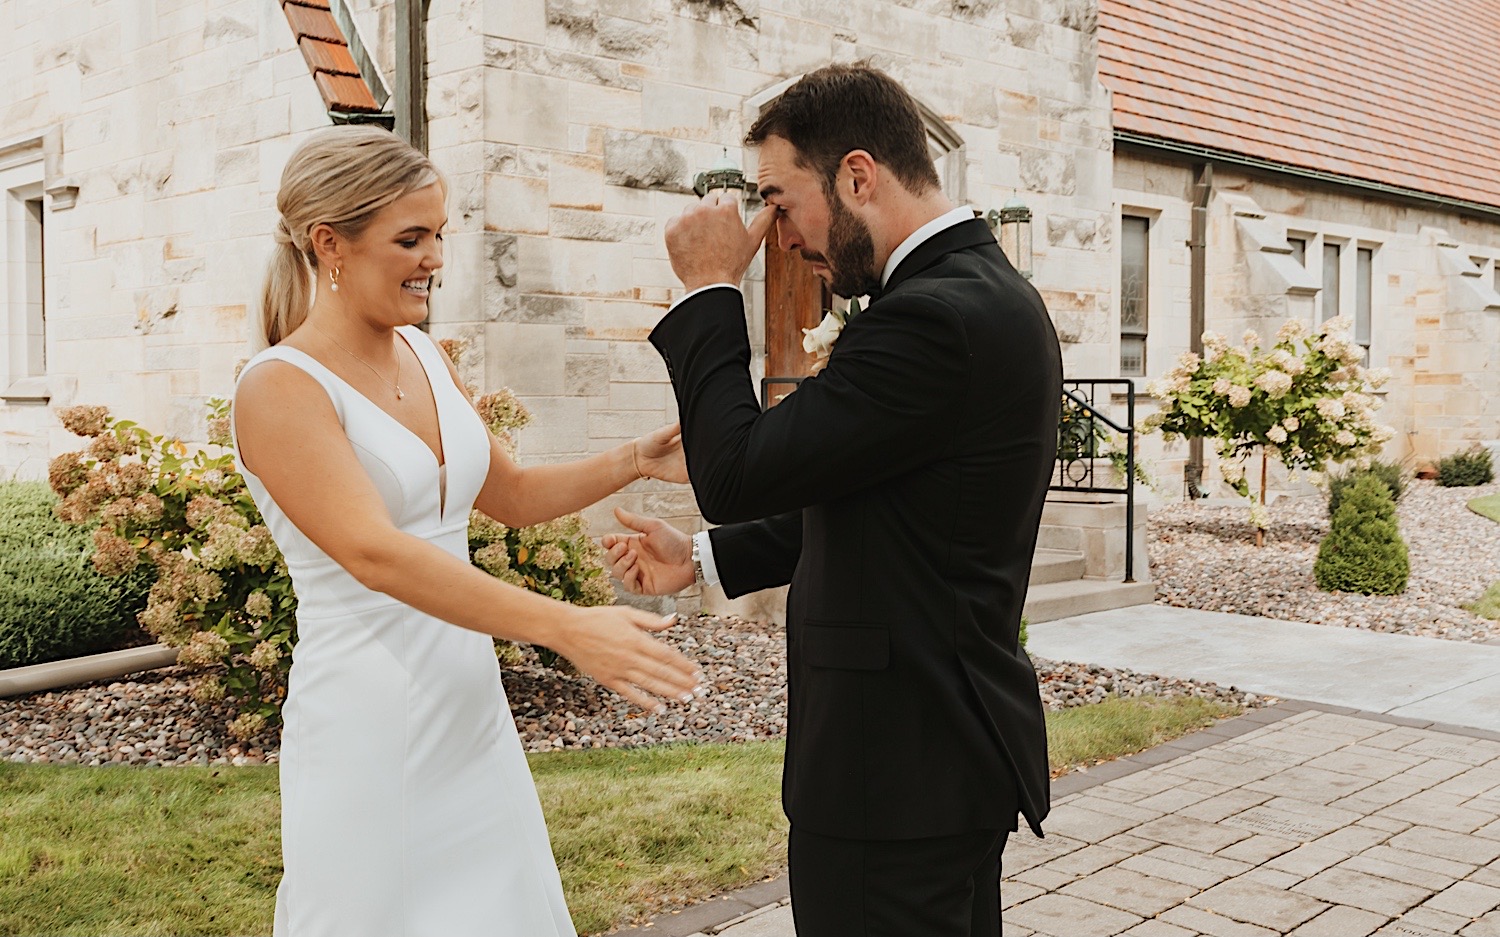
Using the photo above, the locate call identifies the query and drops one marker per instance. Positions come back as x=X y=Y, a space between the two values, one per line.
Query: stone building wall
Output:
x=1435 y=312
x=570 y=131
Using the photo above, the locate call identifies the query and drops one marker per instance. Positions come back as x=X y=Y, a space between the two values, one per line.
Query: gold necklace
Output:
x=400 y=394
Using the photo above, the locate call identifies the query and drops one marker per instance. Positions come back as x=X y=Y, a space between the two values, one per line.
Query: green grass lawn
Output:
x=158 y=851
x=1489 y=506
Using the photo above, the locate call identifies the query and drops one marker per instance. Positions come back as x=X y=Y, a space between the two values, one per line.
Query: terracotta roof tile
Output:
x=328 y=57
x=1391 y=91
x=343 y=93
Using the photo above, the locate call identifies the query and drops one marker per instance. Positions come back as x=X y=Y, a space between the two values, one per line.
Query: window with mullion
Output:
x=1135 y=256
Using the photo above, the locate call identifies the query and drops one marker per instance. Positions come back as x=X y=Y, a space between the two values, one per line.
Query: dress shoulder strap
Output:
x=331 y=383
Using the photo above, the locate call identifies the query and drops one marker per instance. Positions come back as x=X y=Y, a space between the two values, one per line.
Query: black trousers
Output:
x=948 y=886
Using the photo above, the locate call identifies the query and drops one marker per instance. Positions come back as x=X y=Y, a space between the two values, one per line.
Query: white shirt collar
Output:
x=941 y=223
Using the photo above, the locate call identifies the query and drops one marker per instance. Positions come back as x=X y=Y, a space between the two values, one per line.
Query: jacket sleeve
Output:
x=757 y=555
x=887 y=401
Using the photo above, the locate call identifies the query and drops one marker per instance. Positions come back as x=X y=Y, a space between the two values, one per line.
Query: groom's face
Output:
x=815 y=222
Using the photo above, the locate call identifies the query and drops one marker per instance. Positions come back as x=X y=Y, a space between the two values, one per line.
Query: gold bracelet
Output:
x=635 y=461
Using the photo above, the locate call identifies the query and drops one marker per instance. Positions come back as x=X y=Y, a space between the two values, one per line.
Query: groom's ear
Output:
x=860 y=174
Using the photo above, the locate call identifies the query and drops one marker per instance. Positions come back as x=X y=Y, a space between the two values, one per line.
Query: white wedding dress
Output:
x=408 y=809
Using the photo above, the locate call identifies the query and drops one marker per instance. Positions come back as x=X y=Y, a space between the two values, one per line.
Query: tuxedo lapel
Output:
x=962 y=236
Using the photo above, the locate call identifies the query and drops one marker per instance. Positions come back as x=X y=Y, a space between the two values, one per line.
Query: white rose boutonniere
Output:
x=819 y=341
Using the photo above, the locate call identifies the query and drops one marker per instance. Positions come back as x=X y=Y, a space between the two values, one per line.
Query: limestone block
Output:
x=600 y=226
x=576 y=181
x=653 y=397
x=559 y=426
x=646 y=162
x=524 y=20
x=636 y=362
x=642 y=11
x=524 y=108
x=529 y=359
x=516 y=203
x=1047 y=171
x=633 y=39
x=621 y=321
x=793 y=46
x=622 y=424
x=587 y=376
x=578 y=268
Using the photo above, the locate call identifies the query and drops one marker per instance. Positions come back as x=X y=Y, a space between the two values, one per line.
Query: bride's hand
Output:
x=609 y=643
x=658 y=454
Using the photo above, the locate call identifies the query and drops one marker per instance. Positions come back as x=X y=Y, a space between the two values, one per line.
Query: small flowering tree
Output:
x=1304 y=401
x=223 y=594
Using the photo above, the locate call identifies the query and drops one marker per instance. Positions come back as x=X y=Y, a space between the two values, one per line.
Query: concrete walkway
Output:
x=1369 y=803
x=1425 y=678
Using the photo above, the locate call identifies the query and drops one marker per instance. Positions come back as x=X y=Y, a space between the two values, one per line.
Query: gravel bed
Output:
x=152 y=719
x=1205 y=557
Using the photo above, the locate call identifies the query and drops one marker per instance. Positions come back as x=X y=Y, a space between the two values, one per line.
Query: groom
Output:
x=898 y=491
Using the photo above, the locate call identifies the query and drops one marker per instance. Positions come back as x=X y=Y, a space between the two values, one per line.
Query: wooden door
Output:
x=795 y=300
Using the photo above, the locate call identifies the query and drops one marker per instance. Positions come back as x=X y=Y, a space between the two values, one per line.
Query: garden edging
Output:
x=60 y=673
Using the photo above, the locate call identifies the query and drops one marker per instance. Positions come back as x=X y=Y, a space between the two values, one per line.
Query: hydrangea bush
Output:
x=222 y=593
x=1304 y=401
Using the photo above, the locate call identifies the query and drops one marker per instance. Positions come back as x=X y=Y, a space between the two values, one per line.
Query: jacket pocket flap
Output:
x=847 y=647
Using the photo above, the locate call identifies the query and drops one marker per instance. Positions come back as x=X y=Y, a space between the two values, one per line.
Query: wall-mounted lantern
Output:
x=725 y=176
x=1014 y=223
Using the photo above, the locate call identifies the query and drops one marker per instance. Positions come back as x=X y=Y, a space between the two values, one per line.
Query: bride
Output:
x=407 y=805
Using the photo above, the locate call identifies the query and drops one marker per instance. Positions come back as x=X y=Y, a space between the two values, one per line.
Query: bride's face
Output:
x=388 y=272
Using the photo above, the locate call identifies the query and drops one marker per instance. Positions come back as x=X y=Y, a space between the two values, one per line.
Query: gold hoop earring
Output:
x=333 y=276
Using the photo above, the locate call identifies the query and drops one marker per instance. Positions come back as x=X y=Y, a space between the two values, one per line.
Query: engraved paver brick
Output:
x=1257 y=849
x=1217 y=772
x=1208 y=787
x=1274 y=818
x=1254 y=903
x=1194 y=834
x=1350 y=728
x=1310 y=784
x=1206 y=922
x=1268 y=755
x=1306 y=861
x=1224 y=805
x=1065 y=914
x=1340 y=885
x=1467 y=751
x=1131 y=844
x=1466 y=899
x=1026 y=851
x=1341 y=921
x=1130 y=891
x=1445 y=845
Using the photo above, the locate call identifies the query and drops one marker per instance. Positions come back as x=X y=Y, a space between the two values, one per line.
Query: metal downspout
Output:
x=1203 y=187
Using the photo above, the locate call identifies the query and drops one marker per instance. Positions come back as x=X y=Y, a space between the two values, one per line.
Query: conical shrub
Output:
x=1363 y=551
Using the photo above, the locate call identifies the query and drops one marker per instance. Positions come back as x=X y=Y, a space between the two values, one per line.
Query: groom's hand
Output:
x=708 y=243
x=655 y=560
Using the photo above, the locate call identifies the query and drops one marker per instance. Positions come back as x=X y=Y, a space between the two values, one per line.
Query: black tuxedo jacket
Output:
x=899 y=492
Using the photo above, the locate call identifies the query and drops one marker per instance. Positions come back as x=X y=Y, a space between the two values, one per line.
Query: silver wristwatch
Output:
x=698 y=562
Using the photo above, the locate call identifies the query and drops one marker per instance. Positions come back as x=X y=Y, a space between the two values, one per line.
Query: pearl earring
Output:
x=333 y=276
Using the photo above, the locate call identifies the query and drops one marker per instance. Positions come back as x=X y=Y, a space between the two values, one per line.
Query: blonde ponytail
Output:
x=342 y=176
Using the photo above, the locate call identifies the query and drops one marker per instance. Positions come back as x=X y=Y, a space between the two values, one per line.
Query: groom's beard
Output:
x=851 y=253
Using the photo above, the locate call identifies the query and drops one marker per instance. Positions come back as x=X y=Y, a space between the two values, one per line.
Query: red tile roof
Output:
x=328 y=57
x=1400 y=92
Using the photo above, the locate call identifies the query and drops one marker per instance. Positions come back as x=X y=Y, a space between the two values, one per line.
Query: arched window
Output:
x=793 y=298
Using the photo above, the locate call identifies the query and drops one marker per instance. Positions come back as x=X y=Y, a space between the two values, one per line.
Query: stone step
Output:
x=1056 y=566
x=1054 y=600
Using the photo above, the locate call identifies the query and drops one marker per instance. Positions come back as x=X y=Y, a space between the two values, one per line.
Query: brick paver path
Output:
x=1317 y=823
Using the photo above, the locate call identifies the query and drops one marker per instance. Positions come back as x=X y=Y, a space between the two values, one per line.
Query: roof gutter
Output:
x=1226 y=158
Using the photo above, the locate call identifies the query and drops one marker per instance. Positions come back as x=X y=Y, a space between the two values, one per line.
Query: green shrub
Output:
x=53 y=605
x=1465 y=469
x=1390 y=473
x=1363 y=551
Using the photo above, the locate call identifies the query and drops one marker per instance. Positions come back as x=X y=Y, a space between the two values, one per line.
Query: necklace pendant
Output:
x=400 y=394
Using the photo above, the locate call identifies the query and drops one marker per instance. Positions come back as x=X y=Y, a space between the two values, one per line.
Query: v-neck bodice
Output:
x=402 y=467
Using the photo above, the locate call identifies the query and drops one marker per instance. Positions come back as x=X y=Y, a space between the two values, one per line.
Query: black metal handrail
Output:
x=1080 y=441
